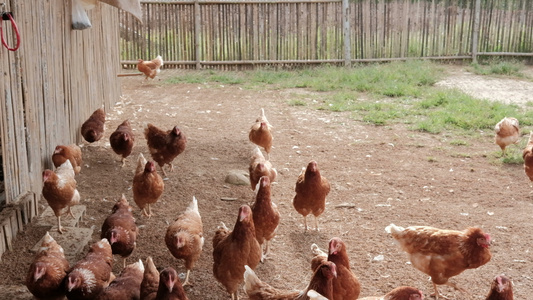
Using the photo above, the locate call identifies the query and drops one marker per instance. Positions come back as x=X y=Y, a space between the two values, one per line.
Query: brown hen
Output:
x=122 y=140
x=311 y=191
x=170 y=287
x=266 y=216
x=165 y=146
x=527 y=155
x=507 y=133
x=92 y=130
x=150 y=282
x=89 y=276
x=150 y=68
x=501 y=289
x=400 y=293
x=127 y=286
x=120 y=230
x=442 y=253
x=59 y=190
x=147 y=185
x=261 y=133
x=47 y=271
x=185 y=237
x=346 y=285
x=232 y=250
x=259 y=167
x=321 y=282
x=71 y=152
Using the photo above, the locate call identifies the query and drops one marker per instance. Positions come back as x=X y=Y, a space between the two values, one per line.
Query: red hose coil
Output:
x=15 y=28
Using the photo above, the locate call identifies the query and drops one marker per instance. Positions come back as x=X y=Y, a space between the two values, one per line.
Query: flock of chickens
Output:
x=439 y=253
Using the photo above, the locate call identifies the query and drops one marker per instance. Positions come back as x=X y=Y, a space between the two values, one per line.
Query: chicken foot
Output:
x=70 y=212
x=59 y=228
x=186 y=282
x=149 y=213
x=438 y=295
x=265 y=253
x=123 y=162
x=316 y=223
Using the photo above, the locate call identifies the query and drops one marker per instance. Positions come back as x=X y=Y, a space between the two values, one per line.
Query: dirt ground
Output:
x=385 y=174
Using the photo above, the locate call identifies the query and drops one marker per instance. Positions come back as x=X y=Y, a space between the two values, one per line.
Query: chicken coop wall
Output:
x=49 y=86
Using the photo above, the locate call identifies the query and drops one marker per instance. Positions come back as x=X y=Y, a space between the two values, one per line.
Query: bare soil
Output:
x=379 y=175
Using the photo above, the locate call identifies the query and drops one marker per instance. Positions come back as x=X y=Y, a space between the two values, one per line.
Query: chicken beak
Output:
x=170 y=286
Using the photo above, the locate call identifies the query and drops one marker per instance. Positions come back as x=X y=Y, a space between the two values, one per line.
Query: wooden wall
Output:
x=204 y=33
x=49 y=87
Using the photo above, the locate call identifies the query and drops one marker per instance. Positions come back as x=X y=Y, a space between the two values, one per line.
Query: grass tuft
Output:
x=383 y=94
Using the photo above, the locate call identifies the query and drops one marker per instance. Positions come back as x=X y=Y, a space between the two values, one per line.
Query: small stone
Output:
x=237 y=177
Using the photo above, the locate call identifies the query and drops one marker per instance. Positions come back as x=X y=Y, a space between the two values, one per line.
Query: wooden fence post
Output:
x=475 y=33
x=197 y=25
x=346 y=33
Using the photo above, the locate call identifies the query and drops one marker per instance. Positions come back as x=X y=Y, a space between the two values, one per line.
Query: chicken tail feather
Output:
x=141 y=162
x=194 y=205
x=75 y=198
x=314 y=295
x=251 y=281
x=393 y=229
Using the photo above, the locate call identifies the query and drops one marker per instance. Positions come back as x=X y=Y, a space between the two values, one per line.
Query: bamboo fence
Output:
x=49 y=86
x=236 y=34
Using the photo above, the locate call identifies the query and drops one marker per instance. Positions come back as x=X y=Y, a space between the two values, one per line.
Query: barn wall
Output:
x=48 y=87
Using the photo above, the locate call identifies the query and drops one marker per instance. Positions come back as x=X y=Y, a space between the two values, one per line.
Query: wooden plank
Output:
x=3 y=245
x=8 y=233
x=475 y=34
x=14 y=220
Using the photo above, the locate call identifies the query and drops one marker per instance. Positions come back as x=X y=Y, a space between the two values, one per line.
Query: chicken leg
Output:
x=186 y=282
x=265 y=253
x=438 y=295
x=149 y=213
x=123 y=162
x=70 y=212
x=163 y=170
x=316 y=223
x=59 y=228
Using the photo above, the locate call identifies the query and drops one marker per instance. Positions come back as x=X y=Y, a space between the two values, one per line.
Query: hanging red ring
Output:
x=15 y=28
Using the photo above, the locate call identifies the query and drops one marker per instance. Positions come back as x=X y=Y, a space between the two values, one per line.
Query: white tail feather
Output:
x=141 y=162
x=313 y=295
x=317 y=251
x=394 y=229
x=194 y=205
x=75 y=198
x=250 y=279
x=138 y=265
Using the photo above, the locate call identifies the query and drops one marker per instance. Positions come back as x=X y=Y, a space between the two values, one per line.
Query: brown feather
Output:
x=93 y=128
x=233 y=250
x=185 y=237
x=122 y=139
x=47 y=271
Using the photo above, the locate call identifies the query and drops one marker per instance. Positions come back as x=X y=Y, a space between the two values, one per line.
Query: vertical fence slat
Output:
x=233 y=33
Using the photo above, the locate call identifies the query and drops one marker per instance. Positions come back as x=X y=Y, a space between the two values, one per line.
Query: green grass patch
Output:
x=388 y=93
x=459 y=143
x=499 y=67
x=297 y=102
